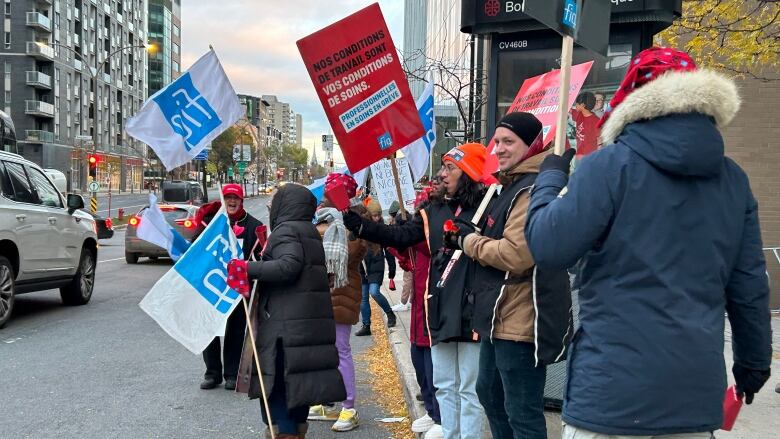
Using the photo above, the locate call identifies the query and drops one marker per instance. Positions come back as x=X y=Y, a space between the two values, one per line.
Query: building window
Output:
x=7 y=98
x=175 y=48
x=175 y=30
x=7 y=40
x=7 y=7
x=176 y=67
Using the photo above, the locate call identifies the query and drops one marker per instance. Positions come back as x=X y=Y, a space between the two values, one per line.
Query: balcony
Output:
x=39 y=108
x=39 y=136
x=39 y=80
x=40 y=51
x=38 y=20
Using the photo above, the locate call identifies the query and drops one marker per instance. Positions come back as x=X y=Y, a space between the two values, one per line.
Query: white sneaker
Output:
x=323 y=413
x=423 y=424
x=435 y=432
x=348 y=420
x=401 y=307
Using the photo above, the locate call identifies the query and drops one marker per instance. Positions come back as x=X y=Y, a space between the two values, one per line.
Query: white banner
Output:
x=179 y=121
x=383 y=183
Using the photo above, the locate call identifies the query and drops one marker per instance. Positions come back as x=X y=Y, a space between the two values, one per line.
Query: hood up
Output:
x=292 y=202
x=673 y=122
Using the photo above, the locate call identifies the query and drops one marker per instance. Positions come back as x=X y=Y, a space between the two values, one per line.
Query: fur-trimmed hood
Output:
x=673 y=121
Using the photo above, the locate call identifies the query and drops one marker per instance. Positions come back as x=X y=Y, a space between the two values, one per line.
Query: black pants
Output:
x=511 y=389
x=423 y=369
x=234 y=343
x=287 y=419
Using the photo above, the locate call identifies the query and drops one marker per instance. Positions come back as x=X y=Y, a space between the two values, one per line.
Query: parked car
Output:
x=105 y=229
x=179 y=216
x=45 y=240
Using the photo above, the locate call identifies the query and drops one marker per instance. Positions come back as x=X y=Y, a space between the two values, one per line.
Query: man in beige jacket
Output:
x=513 y=351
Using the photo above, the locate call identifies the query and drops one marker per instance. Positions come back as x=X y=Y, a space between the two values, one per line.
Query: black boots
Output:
x=391 y=319
x=210 y=383
x=363 y=331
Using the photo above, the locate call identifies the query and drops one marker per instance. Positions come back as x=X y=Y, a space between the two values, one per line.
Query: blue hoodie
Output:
x=667 y=229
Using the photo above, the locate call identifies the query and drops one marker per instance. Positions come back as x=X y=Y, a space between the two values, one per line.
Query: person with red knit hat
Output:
x=224 y=361
x=455 y=351
x=666 y=228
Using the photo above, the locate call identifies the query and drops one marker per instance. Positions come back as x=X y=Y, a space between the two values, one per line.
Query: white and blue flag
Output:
x=192 y=301
x=155 y=229
x=418 y=153
x=182 y=118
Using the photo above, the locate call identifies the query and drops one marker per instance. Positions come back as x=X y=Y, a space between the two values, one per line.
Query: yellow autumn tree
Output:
x=738 y=36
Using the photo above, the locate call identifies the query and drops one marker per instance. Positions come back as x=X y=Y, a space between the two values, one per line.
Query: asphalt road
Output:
x=106 y=370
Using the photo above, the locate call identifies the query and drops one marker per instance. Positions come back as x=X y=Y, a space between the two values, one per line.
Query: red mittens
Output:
x=261 y=232
x=238 y=278
x=392 y=285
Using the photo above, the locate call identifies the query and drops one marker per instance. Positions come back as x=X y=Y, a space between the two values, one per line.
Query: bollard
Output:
x=120 y=213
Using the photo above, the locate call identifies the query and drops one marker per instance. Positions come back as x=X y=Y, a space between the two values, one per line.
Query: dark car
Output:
x=186 y=192
x=180 y=216
x=105 y=229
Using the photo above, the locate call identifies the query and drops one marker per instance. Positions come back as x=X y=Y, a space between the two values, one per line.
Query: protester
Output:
x=668 y=231
x=372 y=275
x=586 y=123
x=343 y=255
x=455 y=354
x=244 y=225
x=420 y=346
x=598 y=110
x=293 y=325
x=520 y=333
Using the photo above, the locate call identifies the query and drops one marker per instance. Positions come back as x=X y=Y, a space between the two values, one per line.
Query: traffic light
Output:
x=92 y=161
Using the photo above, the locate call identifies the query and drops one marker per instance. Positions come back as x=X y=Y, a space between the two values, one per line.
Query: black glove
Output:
x=352 y=221
x=749 y=381
x=454 y=239
x=560 y=163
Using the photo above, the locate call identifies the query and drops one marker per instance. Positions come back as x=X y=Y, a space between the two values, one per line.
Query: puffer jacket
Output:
x=294 y=312
x=667 y=229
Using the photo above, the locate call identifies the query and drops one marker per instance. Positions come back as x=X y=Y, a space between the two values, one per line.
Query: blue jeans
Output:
x=365 y=308
x=455 y=370
x=511 y=389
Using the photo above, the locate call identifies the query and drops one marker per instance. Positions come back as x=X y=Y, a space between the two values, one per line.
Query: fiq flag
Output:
x=192 y=301
x=182 y=118
x=358 y=77
x=155 y=229
x=419 y=152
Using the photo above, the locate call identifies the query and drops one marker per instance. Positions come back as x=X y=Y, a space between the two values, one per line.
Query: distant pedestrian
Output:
x=373 y=273
x=667 y=229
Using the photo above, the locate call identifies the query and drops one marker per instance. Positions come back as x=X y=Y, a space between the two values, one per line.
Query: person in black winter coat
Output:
x=372 y=273
x=244 y=225
x=293 y=324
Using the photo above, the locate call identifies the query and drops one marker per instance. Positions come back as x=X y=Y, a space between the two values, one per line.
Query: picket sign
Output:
x=475 y=220
x=394 y=167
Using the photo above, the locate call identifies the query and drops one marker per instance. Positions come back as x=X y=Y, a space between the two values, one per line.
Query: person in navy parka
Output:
x=667 y=230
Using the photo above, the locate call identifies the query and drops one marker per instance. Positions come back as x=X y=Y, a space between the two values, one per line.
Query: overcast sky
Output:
x=255 y=41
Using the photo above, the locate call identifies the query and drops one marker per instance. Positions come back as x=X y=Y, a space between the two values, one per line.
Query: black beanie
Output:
x=525 y=125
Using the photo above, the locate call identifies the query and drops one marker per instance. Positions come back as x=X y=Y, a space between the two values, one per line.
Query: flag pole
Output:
x=252 y=334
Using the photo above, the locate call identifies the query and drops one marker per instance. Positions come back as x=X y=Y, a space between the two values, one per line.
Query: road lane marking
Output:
x=111 y=260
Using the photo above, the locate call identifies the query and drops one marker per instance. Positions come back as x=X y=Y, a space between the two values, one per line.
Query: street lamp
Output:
x=150 y=49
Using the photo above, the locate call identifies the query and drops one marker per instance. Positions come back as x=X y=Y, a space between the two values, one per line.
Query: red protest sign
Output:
x=540 y=96
x=358 y=77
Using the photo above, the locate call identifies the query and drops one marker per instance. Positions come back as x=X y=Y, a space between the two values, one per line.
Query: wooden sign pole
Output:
x=394 y=166
x=563 y=95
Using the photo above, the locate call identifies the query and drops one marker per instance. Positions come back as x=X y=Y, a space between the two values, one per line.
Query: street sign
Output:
x=242 y=153
x=94 y=186
x=93 y=204
x=241 y=167
x=327 y=142
x=203 y=155
x=230 y=170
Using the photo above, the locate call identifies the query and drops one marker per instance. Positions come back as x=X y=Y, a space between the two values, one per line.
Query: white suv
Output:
x=45 y=241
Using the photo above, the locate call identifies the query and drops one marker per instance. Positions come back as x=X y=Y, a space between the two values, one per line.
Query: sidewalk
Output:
x=760 y=420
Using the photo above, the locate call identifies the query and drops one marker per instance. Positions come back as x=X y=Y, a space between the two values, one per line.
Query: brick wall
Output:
x=753 y=141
